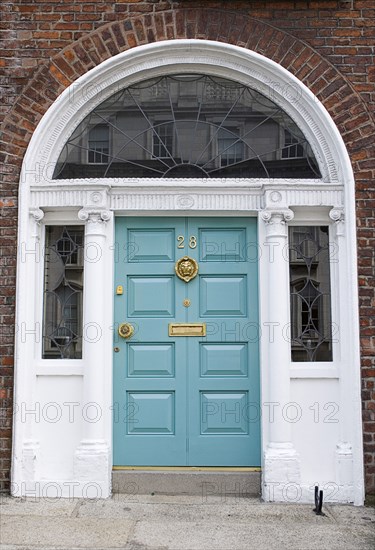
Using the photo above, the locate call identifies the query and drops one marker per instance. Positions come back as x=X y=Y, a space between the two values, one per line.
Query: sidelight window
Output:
x=310 y=294
x=63 y=287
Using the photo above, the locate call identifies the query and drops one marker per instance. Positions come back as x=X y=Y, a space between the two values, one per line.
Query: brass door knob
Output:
x=125 y=330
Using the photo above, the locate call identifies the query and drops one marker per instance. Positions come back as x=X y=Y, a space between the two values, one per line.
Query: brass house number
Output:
x=181 y=241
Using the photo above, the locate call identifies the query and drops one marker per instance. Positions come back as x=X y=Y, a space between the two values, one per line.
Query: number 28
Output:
x=192 y=241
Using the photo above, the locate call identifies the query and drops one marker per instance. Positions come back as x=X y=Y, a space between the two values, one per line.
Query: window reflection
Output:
x=98 y=144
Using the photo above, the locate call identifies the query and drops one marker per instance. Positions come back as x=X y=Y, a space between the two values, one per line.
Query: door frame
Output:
x=276 y=202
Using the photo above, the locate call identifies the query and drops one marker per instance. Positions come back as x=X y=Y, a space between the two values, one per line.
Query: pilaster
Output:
x=344 y=448
x=281 y=461
x=30 y=252
x=92 y=462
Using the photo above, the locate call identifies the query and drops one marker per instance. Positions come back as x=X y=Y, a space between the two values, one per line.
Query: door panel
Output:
x=155 y=412
x=157 y=245
x=151 y=296
x=187 y=400
x=150 y=360
x=223 y=296
x=223 y=359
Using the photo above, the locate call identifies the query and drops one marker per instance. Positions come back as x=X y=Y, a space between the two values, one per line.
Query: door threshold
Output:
x=187 y=480
x=188 y=468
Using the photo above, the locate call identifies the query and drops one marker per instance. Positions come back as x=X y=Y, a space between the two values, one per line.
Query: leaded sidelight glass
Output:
x=310 y=294
x=63 y=285
x=185 y=126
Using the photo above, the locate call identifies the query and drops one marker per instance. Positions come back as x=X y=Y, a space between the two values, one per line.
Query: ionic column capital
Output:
x=276 y=221
x=37 y=214
x=97 y=215
x=338 y=216
x=96 y=220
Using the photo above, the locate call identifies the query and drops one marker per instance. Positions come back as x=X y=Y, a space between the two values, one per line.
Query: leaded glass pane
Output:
x=63 y=285
x=310 y=294
x=184 y=126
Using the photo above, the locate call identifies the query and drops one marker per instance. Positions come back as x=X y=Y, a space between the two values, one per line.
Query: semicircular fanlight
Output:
x=187 y=126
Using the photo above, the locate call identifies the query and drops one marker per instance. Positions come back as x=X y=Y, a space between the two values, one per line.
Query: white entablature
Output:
x=186 y=195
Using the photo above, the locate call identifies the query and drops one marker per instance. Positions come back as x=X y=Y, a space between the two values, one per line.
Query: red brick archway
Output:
x=320 y=76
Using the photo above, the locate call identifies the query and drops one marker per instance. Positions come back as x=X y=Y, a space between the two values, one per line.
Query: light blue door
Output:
x=186 y=400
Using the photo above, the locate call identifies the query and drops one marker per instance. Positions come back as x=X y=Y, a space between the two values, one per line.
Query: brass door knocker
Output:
x=186 y=268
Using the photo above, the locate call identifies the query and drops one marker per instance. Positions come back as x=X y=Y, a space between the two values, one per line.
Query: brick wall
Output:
x=46 y=45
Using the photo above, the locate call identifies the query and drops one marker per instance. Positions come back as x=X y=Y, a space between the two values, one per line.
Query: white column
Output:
x=344 y=450
x=281 y=462
x=92 y=458
x=29 y=335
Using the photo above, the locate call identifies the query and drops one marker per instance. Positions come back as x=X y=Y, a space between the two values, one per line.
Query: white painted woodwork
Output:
x=292 y=460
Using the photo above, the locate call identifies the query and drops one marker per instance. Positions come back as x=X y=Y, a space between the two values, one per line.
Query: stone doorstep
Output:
x=180 y=482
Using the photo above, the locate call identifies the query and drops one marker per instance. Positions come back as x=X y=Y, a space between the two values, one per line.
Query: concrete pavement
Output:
x=135 y=522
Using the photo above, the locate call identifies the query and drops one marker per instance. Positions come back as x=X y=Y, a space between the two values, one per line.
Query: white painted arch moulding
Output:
x=38 y=190
x=186 y=56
